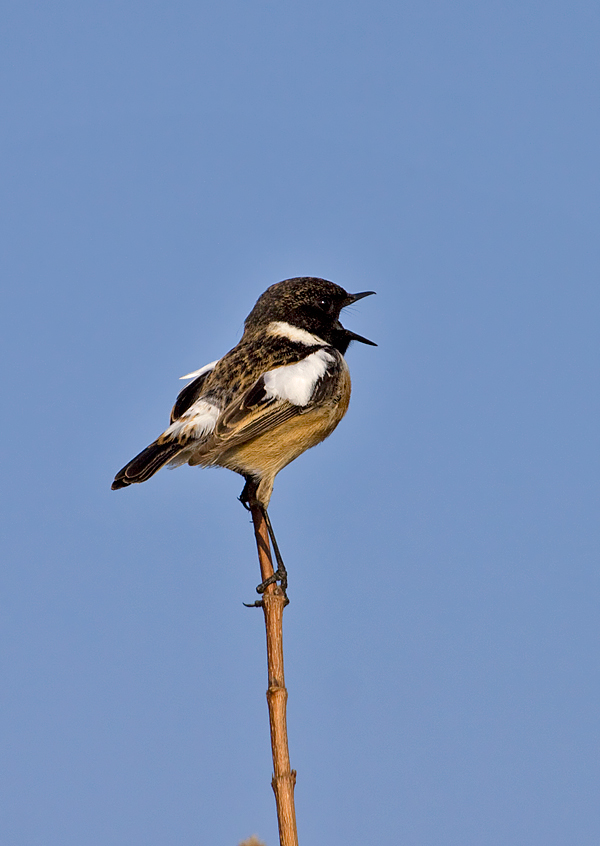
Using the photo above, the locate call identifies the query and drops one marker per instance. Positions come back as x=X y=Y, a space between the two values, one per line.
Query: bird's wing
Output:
x=277 y=396
x=188 y=396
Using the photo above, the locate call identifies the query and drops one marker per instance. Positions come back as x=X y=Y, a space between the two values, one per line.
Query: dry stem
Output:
x=273 y=601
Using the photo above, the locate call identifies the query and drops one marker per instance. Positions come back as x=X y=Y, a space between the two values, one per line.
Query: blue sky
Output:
x=162 y=164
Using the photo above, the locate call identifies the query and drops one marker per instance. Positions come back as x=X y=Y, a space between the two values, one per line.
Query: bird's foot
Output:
x=278 y=576
x=248 y=495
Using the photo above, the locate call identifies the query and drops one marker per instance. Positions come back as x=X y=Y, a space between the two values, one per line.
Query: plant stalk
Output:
x=273 y=602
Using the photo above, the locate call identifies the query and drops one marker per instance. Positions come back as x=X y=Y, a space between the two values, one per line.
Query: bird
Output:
x=281 y=390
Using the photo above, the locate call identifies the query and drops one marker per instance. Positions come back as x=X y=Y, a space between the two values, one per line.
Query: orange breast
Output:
x=269 y=453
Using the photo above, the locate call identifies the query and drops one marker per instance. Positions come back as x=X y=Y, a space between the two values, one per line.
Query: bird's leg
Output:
x=249 y=501
x=280 y=574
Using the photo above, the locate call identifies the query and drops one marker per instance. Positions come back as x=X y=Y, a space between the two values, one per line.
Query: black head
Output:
x=308 y=303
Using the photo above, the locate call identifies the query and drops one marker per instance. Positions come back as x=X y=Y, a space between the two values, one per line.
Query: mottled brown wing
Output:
x=254 y=413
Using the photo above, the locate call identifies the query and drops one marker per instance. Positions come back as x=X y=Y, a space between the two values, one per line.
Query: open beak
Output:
x=354 y=298
x=352 y=336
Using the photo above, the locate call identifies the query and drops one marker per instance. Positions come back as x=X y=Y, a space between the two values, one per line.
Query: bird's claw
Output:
x=278 y=576
x=248 y=495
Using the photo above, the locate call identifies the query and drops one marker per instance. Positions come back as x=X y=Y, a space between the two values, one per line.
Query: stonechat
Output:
x=282 y=389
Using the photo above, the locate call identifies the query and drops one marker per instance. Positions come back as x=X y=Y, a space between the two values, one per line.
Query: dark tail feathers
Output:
x=146 y=464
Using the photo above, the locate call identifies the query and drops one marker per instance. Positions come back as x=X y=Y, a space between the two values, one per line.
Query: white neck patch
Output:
x=296 y=383
x=281 y=329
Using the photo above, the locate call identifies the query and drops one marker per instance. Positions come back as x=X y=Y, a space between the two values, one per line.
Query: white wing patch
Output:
x=281 y=329
x=199 y=420
x=296 y=382
x=202 y=370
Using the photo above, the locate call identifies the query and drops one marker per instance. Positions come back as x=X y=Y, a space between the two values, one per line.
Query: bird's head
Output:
x=309 y=304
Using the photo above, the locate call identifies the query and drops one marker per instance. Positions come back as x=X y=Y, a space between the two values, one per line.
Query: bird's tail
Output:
x=146 y=464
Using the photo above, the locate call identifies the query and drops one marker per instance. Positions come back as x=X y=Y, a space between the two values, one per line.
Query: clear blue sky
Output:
x=161 y=165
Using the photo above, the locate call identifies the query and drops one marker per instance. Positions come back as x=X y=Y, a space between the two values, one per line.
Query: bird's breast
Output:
x=272 y=451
